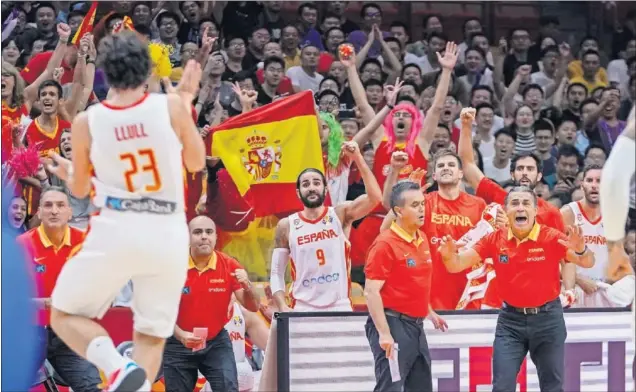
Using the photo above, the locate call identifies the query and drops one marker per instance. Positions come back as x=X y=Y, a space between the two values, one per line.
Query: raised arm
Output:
x=399 y=159
x=508 y=100
x=357 y=89
x=447 y=62
x=374 y=131
x=456 y=262
x=31 y=91
x=351 y=211
x=280 y=258
x=472 y=174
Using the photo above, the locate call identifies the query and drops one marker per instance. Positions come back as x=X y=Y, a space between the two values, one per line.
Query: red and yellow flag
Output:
x=87 y=24
x=265 y=150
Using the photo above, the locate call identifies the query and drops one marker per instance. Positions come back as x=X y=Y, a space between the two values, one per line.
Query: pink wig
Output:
x=416 y=127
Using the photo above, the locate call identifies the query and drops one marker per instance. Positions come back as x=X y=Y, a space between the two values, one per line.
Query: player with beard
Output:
x=591 y=282
x=314 y=242
x=405 y=129
x=525 y=170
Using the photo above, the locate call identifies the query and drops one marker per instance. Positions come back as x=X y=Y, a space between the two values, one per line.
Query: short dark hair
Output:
x=589 y=52
x=398 y=23
x=244 y=75
x=370 y=61
x=441 y=36
x=272 y=60
x=418 y=89
x=411 y=65
x=508 y=132
x=550 y=49
x=373 y=82
x=311 y=170
x=326 y=92
x=587 y=101
x=181 y=3
x=595 y=145
x=478 y=34
x=405 y=98
x=517 y=157
x=530 y=87
x=364 y=8
x=470 y=19
x=588 y=38
x=53 y=188
x=476 y=49
x=482 y=106
x=581 y=85
x=230 y=38
x=50 y=83
x=306 y=5
x=124 y=59
x=329 y=14
x=521 y=189
x=333 y=29
x=481 y=87
x=568 y=151
x=543 y=124
x=329 y=78
x=169 y=15
x=445 y=152
x=398 y=190
x=592 y=166
x=393 y=39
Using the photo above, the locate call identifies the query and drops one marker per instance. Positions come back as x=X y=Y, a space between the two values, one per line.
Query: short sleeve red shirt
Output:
x=547 y=214
x=285 y=86
x=454 y=218
x=528 y=273
x=205 y=298
x=404 y=264
x=47 y=260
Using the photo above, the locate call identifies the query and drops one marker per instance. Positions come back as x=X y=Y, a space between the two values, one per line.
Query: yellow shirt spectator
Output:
x=292 y=61
x=575 y=70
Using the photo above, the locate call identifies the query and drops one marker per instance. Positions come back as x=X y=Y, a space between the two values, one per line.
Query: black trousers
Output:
x=75 y=371
x=414 y=358
x=542 y=334
x=216 y=362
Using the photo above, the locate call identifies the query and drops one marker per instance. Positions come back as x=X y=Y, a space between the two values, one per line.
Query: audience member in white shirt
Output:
x=497 y=168
x=436 y=43
x=617 y=71
x=477 y=72
x=484 y=117
x=305 y=77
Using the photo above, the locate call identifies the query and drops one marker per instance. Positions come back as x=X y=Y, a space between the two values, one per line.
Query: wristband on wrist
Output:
x=390 y=106
x=582 y=253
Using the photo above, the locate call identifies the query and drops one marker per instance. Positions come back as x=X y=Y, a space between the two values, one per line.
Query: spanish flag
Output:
x=265 y=150
x=87 y=24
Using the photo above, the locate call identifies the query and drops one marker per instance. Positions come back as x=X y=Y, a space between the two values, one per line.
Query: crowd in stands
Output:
x=533 y=93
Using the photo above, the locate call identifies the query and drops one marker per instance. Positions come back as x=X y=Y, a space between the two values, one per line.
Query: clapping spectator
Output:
x=371 y=14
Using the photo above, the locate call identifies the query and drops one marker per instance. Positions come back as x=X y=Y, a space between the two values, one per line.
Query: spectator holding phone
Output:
x=200 y=341
x=568 y=163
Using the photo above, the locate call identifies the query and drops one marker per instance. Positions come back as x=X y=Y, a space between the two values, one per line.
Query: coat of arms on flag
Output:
x=261 y=159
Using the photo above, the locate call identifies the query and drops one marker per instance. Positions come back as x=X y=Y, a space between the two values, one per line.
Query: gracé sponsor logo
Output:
x=322 y=279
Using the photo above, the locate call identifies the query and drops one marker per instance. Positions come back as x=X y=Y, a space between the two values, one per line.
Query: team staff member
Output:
x=397 y=289
x=525 y=170
x=212 y=279
x=526 y=259
x=49 y=246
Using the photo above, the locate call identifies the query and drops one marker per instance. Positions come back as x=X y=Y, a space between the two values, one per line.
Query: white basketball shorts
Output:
x=149 y=250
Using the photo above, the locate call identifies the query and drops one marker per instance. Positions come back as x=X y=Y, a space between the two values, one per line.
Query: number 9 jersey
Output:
x=320 y=264
x=135 y=153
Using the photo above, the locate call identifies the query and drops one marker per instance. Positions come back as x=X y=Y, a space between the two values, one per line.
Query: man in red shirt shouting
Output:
x=526 y=258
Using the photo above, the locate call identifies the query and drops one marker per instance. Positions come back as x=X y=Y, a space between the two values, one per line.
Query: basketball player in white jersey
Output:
x=617 y=173
x=313 y=241
x=243 y=322
x=136 y=143
x=593 y=287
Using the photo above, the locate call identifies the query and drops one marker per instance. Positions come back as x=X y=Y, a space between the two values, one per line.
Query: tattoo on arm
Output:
x=281 y=238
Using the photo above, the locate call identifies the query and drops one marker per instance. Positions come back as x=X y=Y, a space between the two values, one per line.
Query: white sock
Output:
x=147 y=387
x=102 y=353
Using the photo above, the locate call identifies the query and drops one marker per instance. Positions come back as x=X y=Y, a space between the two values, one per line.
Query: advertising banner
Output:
x=332 y=353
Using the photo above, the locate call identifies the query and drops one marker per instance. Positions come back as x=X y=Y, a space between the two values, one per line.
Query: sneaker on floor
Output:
x=127 y=379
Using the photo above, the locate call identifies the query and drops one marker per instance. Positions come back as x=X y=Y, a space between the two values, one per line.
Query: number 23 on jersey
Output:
x=142 y=161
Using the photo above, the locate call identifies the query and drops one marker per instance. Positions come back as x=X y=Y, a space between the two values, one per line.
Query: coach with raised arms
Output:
x=526 y=257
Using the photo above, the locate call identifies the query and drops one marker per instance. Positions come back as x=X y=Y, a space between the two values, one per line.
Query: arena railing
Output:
x=329 y=351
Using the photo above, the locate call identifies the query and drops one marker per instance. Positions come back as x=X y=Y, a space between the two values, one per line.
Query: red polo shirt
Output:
x=527 y=270
x=207 y=293
x=404 y=264
x=547 y=214
x=48 y=260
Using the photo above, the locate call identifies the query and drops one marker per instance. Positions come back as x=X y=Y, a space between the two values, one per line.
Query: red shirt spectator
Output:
x=285 y=86
x=37 y=65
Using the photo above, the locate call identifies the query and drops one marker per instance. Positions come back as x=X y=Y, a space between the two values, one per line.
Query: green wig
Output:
x=334 y=140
